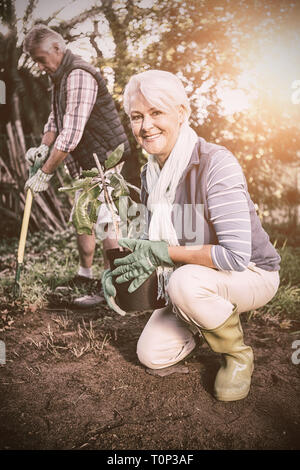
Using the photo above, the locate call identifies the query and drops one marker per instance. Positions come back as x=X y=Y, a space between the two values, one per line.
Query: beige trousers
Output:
x=201 y=297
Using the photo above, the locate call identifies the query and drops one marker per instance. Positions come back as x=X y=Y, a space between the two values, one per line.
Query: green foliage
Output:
x=290 y=266
x=50 y=260
x=84 y=211
x=90 y=173
x=284 y=234
x=114 y=157
x=286 y=303
x=91 y=186
x=120 y=187
x=6 y=11
x=83 y=183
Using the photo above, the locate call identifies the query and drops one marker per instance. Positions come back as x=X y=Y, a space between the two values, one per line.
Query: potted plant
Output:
x=116 y=191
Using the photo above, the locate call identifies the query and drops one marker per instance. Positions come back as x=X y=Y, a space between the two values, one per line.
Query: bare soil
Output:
x=72 y=380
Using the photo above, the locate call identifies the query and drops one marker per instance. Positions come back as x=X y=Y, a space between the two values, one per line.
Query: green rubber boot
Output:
x=234 y=377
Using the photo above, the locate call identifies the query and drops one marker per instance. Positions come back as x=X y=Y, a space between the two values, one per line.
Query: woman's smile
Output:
x=150 y=138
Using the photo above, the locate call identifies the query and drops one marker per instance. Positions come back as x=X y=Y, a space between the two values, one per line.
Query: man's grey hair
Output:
x=42 y=36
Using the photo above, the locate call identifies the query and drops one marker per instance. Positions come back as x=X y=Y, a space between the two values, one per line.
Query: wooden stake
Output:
x=107 y=197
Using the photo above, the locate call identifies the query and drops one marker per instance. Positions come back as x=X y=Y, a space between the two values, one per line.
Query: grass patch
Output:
x=52 y=259
x=66 y=337
x=286 y=303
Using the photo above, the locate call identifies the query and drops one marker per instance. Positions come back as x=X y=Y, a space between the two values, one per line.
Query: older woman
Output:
x=211 y=274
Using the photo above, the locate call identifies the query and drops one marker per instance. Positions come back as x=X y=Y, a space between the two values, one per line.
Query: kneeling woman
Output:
x=231 y=266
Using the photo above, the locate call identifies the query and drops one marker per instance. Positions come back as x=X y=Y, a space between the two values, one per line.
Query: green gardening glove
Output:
x=146 y=256
x=109 y=292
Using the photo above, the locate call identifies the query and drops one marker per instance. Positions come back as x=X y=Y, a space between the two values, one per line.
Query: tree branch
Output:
x=93 y=41
x=66 y=26
x=28 y=13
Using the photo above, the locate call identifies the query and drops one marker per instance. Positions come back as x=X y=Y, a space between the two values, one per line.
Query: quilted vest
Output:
x=103 y=131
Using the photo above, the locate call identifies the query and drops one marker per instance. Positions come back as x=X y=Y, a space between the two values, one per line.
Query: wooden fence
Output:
x=47 y=210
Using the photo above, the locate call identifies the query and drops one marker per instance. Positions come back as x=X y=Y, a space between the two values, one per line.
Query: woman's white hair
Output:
x=42 y=36
x=160 y=88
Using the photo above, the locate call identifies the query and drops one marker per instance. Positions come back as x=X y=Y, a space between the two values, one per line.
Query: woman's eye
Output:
x=136 y=118
x=156 y=113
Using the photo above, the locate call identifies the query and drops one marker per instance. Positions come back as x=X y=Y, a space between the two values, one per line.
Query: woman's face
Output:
x=156 y=130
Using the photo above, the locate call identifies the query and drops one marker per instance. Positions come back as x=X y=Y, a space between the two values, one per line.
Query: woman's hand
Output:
x=146 y=256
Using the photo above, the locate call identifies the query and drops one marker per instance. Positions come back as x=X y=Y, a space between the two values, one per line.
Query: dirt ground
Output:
x=72 y=380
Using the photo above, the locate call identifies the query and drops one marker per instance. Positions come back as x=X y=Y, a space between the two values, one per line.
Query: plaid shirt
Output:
x=82 y=89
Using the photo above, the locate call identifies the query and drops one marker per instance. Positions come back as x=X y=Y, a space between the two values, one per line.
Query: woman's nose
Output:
x=147 y=123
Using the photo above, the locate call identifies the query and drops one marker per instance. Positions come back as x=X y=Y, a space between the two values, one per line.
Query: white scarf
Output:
x=162 y=185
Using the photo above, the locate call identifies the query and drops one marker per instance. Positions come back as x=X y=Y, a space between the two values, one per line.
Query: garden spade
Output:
x=17 y=291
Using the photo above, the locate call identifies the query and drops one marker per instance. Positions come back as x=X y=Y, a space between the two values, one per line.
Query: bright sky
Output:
x=69 y=9
x=272 y=68
x=273 y=65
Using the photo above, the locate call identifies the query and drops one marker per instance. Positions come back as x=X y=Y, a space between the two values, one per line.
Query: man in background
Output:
x=83 y=120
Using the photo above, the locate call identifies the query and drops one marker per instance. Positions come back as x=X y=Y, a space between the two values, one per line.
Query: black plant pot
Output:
x=143 y=298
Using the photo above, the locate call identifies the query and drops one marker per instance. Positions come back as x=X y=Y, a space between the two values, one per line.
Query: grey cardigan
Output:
x=192 y=193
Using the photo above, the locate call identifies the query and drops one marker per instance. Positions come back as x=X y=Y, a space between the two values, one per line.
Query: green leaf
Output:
x=120 y=186
x=114 y=157
x=87 y=205
x=95 y=205
x=94 y=192
x=86 y=210
x=82 y=183
x=81 y=219
x=92 y=173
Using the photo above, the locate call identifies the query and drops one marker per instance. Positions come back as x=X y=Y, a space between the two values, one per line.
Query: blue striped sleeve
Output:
x=229 y=213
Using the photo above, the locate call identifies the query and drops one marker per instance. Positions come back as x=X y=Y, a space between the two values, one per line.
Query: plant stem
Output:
x=107 y=197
